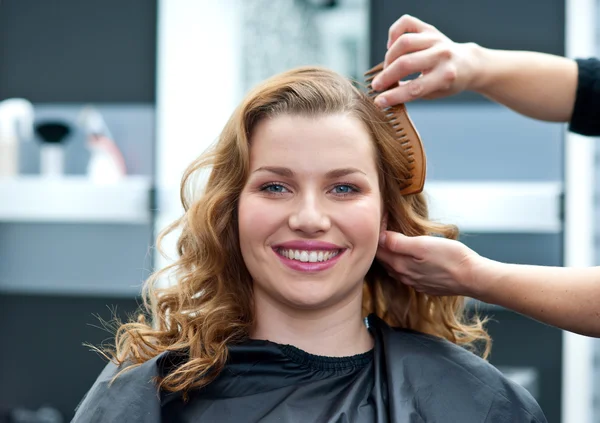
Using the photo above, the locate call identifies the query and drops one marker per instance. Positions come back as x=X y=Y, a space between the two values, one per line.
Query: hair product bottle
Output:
x=16 y=124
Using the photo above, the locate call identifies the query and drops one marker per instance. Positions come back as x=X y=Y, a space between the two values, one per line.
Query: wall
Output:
x=55 y=277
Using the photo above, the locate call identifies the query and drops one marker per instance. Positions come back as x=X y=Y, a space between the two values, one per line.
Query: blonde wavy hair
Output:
x=211 y=305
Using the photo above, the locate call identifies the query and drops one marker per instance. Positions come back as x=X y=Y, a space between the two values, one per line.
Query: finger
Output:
x=434 y=84
x=406 y=23
x=406 y=91
x=394 y=264
x=391 y=272
x=441 y=82
x=386 y=257
x=412 y=249
x=411 y=63
x=398 y=261
x=395 y=243
x=407 y=281
x=409 y=43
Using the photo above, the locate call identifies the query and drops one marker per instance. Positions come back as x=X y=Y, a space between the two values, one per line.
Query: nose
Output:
x=309 y=215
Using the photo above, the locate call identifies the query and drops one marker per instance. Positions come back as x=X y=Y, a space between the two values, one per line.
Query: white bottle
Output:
x=106 y=165
x=52 y=160
x=16 y=124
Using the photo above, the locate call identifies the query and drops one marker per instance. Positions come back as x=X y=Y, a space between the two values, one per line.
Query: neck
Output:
x=335 y=332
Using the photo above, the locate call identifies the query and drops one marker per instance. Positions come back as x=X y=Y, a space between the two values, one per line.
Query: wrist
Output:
x=481 y=278
x=481 y=71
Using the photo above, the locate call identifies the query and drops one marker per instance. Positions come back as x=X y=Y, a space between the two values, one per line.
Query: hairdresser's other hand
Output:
x=414 y=47
x=433 y=265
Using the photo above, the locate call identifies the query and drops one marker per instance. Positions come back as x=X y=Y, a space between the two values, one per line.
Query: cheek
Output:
x=256 y=222
x=361 y=223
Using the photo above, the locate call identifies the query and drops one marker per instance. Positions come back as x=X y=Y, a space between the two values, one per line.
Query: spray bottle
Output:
x=106 y=164
x=16 y=124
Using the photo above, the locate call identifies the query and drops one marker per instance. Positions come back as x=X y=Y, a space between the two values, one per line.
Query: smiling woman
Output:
x=281 y=312
x=310 y=216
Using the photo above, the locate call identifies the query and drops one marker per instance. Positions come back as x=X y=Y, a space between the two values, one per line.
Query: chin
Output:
x=307 y=300
x=312 y=297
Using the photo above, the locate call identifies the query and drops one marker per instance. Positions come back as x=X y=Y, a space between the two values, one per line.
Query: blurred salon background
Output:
x=104 y=103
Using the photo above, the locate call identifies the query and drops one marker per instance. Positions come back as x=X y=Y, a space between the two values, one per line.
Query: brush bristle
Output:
x=412 y=148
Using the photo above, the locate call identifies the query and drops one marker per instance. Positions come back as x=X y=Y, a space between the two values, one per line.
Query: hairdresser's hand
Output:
x=436 y=266
x=414 y=46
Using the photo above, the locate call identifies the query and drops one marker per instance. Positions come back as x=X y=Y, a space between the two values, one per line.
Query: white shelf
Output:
x=497 y=207
x=491 y=207
x=74 y=199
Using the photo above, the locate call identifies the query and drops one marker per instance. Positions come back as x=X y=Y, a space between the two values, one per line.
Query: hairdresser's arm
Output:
x=537 y=85
x=568 y=298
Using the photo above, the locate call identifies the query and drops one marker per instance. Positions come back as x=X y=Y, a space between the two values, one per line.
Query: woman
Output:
x=276 y=275
x=541 y=86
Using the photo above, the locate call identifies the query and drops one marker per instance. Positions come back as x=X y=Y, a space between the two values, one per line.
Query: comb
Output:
x=407 y=136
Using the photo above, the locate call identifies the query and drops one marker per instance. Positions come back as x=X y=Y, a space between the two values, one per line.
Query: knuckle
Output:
x=397 y=27
x=404 y=42
x=406 y=19
x=405 y=62
x=415 y=88
x=445 y=53
x=392 y=243
x=421 y=247
x=448 y=78
x=431 y=28
x=450 y=74
x=394 y=30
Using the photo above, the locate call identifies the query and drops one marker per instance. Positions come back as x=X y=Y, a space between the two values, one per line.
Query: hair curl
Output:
x=211 y=305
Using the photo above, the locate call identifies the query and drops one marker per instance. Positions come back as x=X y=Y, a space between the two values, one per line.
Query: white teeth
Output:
x=308 y=256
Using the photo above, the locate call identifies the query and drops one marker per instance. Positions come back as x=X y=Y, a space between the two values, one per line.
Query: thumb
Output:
x=395 y=242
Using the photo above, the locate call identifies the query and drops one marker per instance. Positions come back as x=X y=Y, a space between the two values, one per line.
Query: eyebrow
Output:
x=288 y=173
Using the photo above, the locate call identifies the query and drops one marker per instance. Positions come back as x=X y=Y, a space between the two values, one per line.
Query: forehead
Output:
x=327 y=141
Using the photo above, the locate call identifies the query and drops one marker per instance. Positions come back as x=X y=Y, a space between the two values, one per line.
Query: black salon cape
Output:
x=408 y=377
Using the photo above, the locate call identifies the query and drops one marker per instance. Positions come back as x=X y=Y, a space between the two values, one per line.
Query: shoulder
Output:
x=444 y=369
x=132 y=396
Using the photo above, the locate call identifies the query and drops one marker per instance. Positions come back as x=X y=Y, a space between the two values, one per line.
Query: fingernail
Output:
x=382 y=238
x=381 y=102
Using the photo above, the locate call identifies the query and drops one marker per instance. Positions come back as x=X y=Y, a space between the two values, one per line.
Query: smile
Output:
x=306 y=256
x=312 y=260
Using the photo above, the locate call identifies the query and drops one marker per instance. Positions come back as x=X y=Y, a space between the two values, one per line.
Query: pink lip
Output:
x=308 y=245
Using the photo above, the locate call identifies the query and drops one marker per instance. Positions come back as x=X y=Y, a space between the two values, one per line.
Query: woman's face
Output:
x=310 y=213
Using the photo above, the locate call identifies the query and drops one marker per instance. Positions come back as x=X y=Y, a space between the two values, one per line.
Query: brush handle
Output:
x=52 y=160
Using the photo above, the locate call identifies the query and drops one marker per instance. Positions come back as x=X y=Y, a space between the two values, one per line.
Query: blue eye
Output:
x=344 y=189
x=274 y=188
